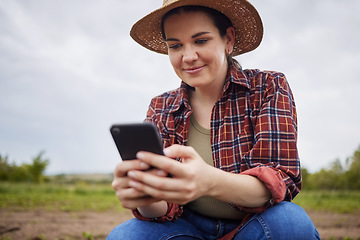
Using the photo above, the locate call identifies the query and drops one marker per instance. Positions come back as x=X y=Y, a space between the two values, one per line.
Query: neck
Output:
x=205 y=97
x=202 y=102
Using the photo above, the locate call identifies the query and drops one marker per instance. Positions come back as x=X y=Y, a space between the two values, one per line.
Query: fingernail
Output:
x=166 y=152
x=132 y=184
x=131 y=174
x=161 y=173
x=139 y=155
x=144 y=165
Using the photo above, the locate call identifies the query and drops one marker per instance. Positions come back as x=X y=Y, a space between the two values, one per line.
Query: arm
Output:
x=239 y=189
x=154 y=210
x=271 y=166
x=273 y=159
x=161 y=211
x=193 y=178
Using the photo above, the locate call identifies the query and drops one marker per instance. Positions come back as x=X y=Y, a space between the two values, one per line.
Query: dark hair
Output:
x=221 y=21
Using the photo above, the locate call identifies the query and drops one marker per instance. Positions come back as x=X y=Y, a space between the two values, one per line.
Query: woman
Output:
x=233 y=131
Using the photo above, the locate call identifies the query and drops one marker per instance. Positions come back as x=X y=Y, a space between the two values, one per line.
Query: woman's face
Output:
x=196 y=50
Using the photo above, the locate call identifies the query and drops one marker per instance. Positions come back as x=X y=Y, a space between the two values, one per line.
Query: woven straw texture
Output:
x=246 y=20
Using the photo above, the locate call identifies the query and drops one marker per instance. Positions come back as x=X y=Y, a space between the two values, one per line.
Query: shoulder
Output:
x=265 y=80
x=170 y=102
x=166 y=99
x=258 y=76
x=166 y=110
x=169 y=94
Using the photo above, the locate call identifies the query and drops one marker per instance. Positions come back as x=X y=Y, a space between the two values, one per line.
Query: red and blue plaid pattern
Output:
x=254 y=124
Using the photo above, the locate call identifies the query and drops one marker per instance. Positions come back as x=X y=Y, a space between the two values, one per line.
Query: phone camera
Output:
x=115 y=130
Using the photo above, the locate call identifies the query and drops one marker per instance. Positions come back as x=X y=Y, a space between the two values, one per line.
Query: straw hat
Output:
x=244 y=17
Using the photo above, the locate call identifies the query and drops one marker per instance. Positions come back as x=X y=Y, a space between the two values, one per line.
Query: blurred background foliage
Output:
x=33 y=172
x=337 y=176
x=26 y=186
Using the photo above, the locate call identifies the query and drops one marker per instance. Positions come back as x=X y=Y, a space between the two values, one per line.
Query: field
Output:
x=85 y=210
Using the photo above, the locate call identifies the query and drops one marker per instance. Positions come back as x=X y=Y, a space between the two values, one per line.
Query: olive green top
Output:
x=199 y=139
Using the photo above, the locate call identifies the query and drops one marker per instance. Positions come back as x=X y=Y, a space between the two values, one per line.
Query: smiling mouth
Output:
x=193 y=70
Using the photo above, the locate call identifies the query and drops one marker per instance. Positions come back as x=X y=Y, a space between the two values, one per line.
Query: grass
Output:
x=340 y=201
x=64 y=197
x=83 y=196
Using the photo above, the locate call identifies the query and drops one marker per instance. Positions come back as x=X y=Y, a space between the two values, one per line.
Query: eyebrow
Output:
x=193 y=36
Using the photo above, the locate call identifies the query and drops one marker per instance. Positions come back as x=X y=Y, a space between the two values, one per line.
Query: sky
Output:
x=69 y=70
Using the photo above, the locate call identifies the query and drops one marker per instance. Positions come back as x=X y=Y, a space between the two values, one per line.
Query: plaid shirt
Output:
x=253 y=131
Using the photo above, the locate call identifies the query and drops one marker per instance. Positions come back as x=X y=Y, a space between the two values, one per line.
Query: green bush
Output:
x=25 y=172
x=352 y=176
x=336 y=177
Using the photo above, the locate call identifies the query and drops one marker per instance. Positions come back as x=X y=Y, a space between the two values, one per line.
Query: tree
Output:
x=331 y=178
x=19 y=173
x=37 y=168
x=4 y=168
x=25 y=172
x=352 y=175
x=306 y=184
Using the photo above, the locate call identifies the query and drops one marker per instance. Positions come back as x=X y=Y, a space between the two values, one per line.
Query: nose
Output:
x=189 y=54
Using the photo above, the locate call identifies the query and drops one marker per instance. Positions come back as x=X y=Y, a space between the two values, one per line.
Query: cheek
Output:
x=221 y=56
x=214 y=54
x=175 y=60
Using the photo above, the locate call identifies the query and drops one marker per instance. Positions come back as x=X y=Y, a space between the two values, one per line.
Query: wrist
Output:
x=154 y=210
x=215 y=189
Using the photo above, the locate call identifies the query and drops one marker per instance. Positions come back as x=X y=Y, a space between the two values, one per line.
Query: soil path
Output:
x=33 y=225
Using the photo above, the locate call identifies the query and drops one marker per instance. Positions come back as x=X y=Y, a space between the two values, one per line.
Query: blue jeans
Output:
x=283 y=221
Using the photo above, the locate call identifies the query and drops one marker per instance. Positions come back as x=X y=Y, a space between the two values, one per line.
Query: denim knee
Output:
x=138 y=229
x=283 y=221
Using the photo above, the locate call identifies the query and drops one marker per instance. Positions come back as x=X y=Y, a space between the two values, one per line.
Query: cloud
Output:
x=316 y=45
x=68 y=70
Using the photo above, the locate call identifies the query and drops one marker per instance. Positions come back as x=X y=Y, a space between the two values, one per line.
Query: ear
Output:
x=230 y=39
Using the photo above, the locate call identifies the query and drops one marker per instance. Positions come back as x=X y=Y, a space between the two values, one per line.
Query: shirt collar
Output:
x=236 y=75
x=181 y=98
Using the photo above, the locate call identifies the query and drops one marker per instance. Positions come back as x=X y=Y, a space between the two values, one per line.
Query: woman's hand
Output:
x=191 y=178
x=130 y=197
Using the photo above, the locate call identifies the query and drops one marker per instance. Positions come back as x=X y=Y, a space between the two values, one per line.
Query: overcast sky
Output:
x=69 y=69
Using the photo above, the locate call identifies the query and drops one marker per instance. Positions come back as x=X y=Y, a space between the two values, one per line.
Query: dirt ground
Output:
x=34 y=225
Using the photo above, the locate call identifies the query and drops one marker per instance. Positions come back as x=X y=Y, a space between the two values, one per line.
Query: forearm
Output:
x=242 y=190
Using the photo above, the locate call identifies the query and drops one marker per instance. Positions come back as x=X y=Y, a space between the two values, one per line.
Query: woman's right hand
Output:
x=129 y=197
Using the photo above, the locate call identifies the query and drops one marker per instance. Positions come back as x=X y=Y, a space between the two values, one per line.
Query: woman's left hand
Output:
x=191 y=178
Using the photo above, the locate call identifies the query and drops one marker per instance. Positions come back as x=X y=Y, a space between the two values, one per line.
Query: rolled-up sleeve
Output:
x=274 y=157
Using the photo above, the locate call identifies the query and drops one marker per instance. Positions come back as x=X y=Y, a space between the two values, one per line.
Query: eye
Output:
x=174 y=46
x=201 y=41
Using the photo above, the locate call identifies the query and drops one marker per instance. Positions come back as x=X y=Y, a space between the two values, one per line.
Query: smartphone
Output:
x=132 y=138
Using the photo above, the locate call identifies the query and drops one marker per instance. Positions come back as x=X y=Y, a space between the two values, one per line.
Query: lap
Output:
x=282 y=221
x=138 y=229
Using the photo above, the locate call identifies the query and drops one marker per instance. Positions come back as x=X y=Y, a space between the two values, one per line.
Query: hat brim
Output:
x=244 y=17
